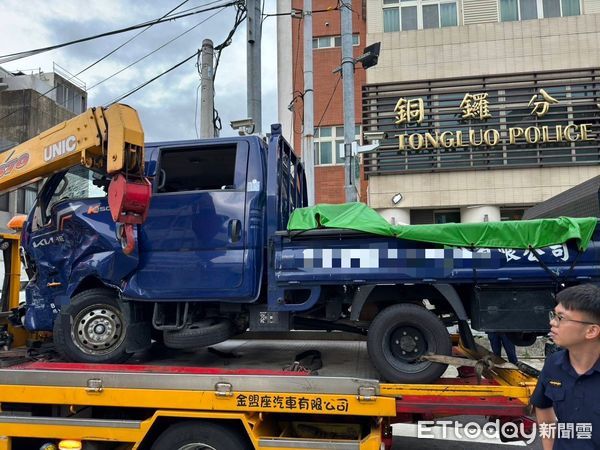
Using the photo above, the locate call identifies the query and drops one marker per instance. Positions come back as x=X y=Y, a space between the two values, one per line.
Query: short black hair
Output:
x=584 y=298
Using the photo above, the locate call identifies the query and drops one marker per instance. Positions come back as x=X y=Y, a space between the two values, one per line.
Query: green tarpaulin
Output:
x=513 y=234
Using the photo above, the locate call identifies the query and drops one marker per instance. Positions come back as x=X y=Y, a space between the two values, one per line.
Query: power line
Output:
x=134 y=90
x=294 y=73
x=126 y=42
x=24 y=54
x=329 y=101
x=122 y=45
x=155 y=50
x=240 y=16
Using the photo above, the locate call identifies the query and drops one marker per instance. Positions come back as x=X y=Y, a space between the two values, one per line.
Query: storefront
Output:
x=480 y=148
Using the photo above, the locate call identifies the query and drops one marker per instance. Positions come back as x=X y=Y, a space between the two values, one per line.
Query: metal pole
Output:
x=348 y=75
x=308 y=153
x=207 y=91
x=253 y=23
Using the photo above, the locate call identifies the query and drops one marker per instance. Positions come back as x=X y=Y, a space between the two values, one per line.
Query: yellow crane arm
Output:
x=108 y=140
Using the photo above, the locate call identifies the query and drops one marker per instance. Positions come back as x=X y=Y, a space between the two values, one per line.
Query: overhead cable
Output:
x=134 y=90
x=24 y=54
x=156 y=49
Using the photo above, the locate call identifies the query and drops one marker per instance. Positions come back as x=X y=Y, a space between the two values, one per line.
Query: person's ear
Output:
x=593 y=332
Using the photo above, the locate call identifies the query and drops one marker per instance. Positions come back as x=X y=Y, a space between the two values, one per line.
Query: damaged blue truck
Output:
x=215 y=257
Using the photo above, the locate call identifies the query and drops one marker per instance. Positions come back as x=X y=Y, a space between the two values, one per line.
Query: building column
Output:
x=480 y=213
x=396 y=216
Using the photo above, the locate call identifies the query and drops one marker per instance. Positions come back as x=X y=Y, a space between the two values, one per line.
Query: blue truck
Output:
x=214 y=258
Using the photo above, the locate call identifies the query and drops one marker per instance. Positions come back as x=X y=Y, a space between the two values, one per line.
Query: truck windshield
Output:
x=77 y=183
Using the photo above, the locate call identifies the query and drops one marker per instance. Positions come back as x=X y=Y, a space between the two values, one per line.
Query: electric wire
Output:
x=124 y=43
x=120 y=46
x=99 y=60
x=155 y=50
x=146 y=83
x=240 y=16
x=26 y=53
x=294 y=73
x=329 y=101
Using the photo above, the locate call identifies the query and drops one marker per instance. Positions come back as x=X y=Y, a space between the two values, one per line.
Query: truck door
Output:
x=192 y=246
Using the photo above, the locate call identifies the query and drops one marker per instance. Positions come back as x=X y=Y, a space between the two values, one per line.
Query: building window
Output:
x=403 y=15
x=511 y=10
x=333 y=41
x=327 y=142
x=4 y=202
x=511 y=213
x=26 y=198
x=446 y=216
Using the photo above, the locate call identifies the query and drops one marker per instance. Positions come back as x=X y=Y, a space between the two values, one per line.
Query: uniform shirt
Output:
x=576 y=402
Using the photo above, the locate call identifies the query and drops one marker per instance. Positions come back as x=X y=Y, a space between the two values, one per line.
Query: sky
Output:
x=168 y=107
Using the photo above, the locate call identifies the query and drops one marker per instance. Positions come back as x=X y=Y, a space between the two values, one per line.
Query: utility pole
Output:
x=253 y=33
x=348 y=75
x=308 y=152
x=207 y=91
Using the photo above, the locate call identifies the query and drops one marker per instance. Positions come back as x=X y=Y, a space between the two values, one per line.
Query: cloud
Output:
x=167 y=106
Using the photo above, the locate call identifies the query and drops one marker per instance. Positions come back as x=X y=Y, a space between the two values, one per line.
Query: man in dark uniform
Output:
x=567 y=396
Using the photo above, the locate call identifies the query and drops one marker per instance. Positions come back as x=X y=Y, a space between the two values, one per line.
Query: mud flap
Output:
x=138 y=337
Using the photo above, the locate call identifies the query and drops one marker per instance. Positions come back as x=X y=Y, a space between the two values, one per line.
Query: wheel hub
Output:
x=196 y=446
x=98 y=329
x=407 y=343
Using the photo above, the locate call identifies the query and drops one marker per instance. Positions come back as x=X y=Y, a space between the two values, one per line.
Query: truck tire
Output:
x=195 y=435
x=200 y=334
x=399 y=335
x=92 y=328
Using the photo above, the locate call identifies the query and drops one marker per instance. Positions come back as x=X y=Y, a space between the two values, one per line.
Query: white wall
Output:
x=474 y=214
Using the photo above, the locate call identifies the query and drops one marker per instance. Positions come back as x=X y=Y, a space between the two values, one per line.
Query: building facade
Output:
x=489 y=106
x=328 y=92
x=30 y=104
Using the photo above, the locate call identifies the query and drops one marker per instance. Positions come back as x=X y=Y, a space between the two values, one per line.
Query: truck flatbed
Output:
x=133 y=404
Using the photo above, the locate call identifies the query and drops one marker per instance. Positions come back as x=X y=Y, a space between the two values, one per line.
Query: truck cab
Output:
x=201 y=253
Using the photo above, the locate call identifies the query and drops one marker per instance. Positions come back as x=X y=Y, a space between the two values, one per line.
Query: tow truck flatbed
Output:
x=129 y=406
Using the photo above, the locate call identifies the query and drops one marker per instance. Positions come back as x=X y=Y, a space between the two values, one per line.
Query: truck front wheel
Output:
x=399 y=336
x=192 y=435
x=92 y=328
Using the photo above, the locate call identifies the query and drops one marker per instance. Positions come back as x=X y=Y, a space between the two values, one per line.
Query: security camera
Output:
x=371 y=136
x=244 y=126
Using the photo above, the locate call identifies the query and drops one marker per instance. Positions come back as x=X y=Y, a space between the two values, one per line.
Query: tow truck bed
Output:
x=132 y=404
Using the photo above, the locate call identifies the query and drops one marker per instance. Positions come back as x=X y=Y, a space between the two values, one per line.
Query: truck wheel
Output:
x=192 y=435
x=200 y=334
x=92 y=328
x=399 y=336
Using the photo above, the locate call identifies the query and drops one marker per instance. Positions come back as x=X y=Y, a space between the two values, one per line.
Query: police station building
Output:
x=488 y=106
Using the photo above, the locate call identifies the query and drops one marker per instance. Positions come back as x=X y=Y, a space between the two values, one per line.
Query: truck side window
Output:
x=77 y=183
x=198 y=169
